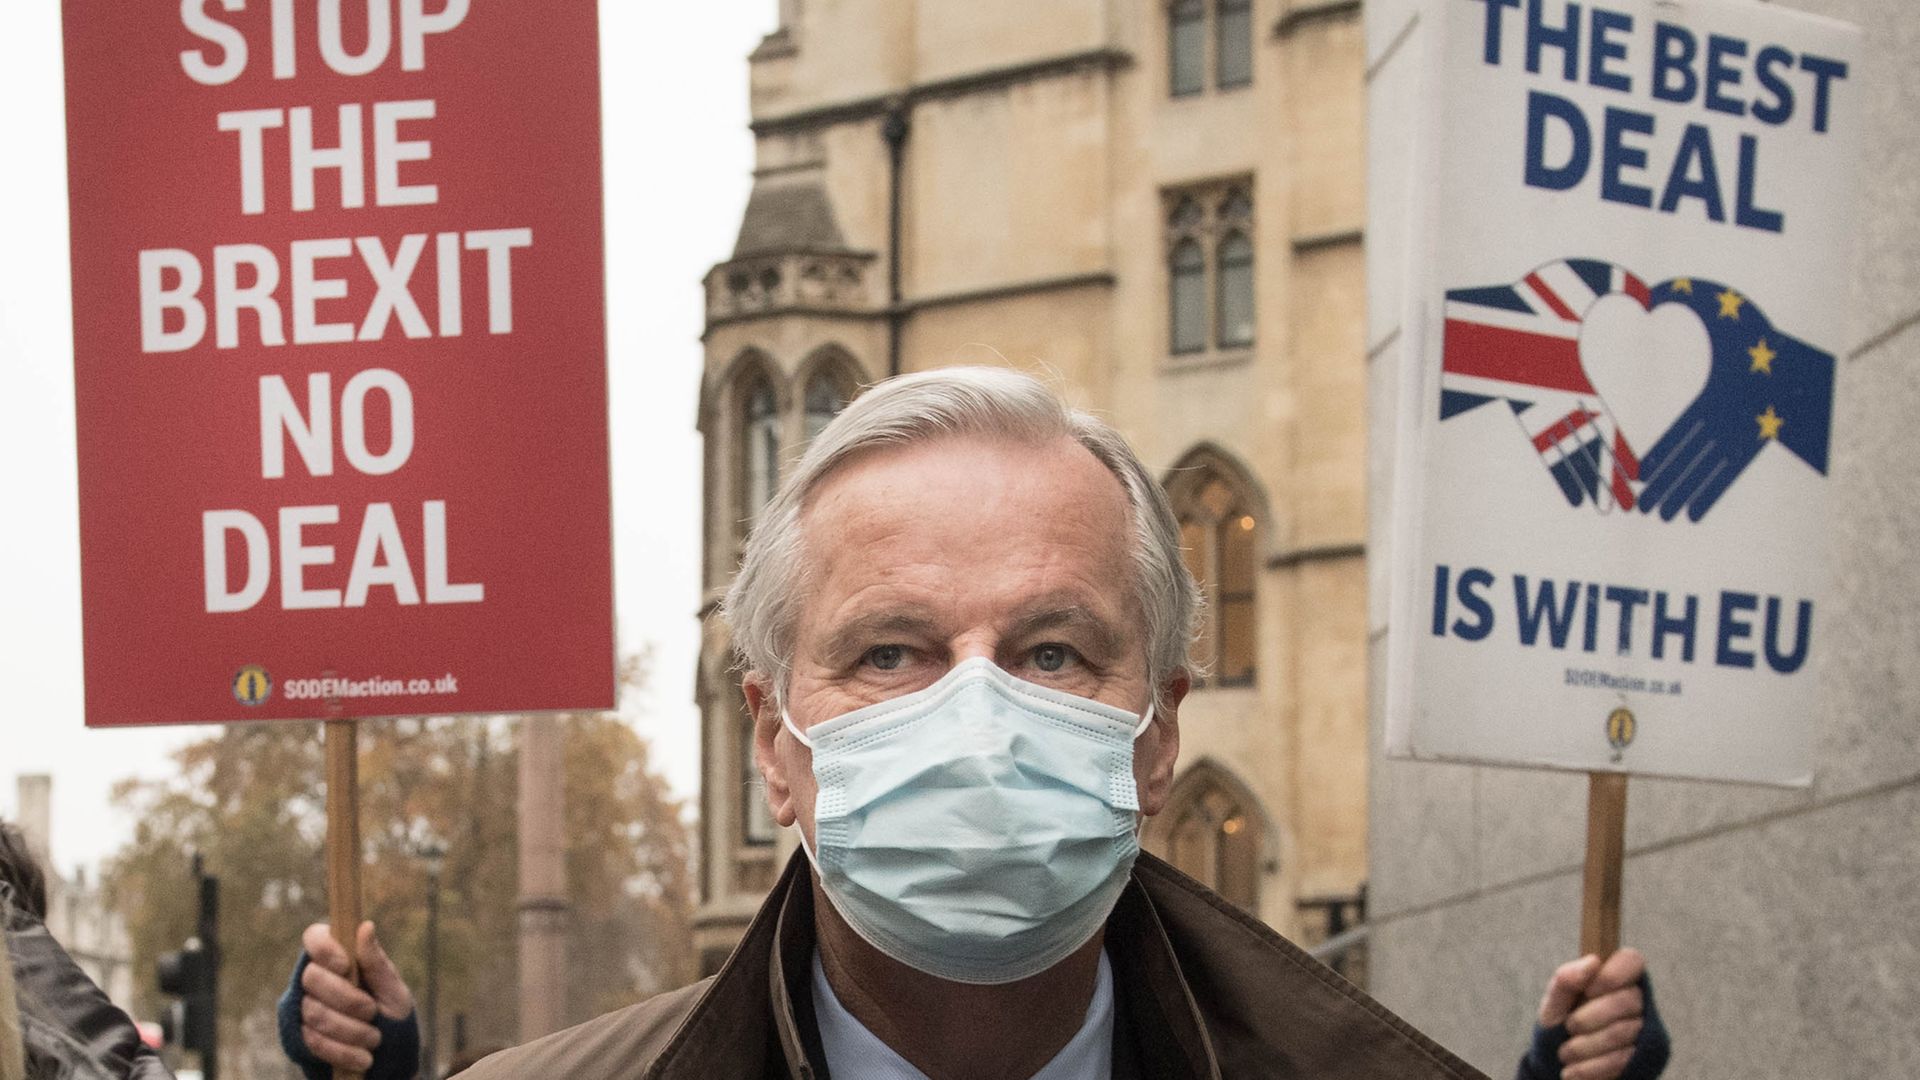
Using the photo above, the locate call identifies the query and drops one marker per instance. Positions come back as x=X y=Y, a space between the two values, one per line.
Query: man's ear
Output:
x=1164 y=748
x=766 y=729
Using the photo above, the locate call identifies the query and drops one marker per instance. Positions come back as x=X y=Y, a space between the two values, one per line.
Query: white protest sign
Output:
x=1626 y=309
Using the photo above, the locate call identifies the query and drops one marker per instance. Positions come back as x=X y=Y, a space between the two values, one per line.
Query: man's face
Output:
x=922 y=557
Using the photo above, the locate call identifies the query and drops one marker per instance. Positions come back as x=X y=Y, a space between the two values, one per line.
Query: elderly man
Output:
x=964 y=621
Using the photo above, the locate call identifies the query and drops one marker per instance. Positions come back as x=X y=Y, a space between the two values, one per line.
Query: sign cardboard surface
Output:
x=339 y=358
x=1627 y=305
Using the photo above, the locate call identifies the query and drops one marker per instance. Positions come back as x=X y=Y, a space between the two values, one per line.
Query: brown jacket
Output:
x=1201 y=991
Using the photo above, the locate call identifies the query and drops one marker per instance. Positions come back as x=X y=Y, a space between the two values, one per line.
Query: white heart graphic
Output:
x=1647 y=366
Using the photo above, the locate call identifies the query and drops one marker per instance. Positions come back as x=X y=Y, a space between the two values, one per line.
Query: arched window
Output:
x=1233 y=43
x=1188 y=294
x=1233 y=281
x=1236 y=208
x=1210 y=264
x=826 y=395
x=1187 y=47
x=759 y=445
x=1214 y=834
x=1219 y=536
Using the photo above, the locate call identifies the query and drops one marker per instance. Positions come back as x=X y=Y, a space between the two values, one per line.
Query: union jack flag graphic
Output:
x=1520 y=344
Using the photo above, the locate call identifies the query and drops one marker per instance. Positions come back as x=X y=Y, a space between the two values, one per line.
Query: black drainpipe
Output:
x=894 y=131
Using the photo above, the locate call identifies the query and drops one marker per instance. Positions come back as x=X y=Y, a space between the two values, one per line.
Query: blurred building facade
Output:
x=1158 y=204
x=1782 y=926
x=78 y=915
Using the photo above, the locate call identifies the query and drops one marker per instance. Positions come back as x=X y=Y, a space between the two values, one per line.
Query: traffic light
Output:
x=192 y=976
x=188 y=975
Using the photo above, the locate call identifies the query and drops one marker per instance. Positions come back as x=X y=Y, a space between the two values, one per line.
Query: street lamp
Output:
x=435 y=857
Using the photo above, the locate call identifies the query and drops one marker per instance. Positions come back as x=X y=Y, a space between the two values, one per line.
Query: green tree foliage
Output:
x=251 y=799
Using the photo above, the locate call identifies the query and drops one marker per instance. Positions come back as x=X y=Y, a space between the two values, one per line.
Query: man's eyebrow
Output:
x=858 y=632
x=1080 y=617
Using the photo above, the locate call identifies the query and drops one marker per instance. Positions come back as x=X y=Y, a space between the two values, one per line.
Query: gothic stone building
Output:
x=1157 y=205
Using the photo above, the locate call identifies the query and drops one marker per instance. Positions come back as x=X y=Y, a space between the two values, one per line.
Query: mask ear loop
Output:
x=1140 y=819
x=787 y=720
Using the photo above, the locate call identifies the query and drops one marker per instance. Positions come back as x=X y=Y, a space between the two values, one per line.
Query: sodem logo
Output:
x=252 y=685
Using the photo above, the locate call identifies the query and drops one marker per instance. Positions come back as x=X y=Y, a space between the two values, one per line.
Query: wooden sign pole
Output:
x=1606 y=849
x=343 y=846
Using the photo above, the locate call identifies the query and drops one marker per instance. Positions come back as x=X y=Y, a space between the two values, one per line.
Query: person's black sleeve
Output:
x=60 y=993
x=396 y=1058
x=1650 y=1049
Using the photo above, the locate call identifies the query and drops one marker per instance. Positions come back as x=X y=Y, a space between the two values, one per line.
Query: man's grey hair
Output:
x=763 y=605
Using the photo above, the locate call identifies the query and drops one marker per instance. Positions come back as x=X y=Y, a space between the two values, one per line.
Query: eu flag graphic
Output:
x=1764 y=387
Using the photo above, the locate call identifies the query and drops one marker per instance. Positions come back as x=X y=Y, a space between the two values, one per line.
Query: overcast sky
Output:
x=678 y=162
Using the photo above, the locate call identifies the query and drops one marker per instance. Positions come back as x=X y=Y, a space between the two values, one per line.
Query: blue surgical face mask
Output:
x=979 y=830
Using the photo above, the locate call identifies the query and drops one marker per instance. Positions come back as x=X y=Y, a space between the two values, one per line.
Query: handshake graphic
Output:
x=1532 y=345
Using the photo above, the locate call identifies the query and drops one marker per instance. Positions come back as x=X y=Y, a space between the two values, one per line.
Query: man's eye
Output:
x=887 y=657
x=1052 y=656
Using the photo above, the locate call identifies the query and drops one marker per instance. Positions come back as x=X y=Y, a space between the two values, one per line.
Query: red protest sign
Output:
x=339 y=358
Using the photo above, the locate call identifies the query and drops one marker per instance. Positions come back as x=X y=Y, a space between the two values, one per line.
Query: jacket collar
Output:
x=1158 y=1007
x=1201 y=990
x=767 y=980
x=789 y=974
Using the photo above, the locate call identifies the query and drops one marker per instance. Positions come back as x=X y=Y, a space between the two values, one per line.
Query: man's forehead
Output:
x=1017 y=518
x=1060 y=467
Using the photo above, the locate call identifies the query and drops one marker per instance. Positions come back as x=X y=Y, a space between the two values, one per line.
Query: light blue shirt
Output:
x=854 y=1053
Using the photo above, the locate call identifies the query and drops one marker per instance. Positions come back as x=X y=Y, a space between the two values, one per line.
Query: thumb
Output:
x=381 y=978
x=1569 y=982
